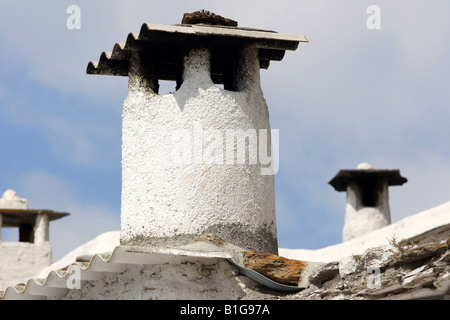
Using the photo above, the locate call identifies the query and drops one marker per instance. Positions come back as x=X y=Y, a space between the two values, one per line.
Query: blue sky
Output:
x=350 y=95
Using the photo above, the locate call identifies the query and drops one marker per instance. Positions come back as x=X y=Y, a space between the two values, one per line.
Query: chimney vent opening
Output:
x=370 y=192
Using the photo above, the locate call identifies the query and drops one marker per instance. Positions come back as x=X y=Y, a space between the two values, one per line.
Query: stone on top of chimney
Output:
x=10 y=200
x=364 y=166
x=207 y=17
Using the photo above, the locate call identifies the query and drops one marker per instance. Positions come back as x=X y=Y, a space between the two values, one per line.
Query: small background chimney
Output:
x=367 y=207
x=32 y=252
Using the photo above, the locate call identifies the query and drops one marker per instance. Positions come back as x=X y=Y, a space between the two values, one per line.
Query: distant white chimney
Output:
x=367 y=207
x=186 y=169
x=32 y=252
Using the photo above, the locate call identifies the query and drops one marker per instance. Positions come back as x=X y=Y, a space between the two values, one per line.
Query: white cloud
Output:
x=417 y=30
x=87 y=218
x=79 y=140
x=50 y=53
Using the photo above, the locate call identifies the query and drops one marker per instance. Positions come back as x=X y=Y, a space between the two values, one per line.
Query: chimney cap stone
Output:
x=14 y=211
x=17 y=217
x=207 y=17
x=163 y=47
x=366 y=171
x=364 y=166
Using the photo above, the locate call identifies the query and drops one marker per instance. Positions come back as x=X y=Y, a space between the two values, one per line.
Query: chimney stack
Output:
x=21 y=259
x=367 y=207
x=186 y=166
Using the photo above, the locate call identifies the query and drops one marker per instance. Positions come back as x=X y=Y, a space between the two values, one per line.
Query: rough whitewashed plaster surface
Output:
x=22 y=260
x=166 y=202
x=190 y=280
x=360 y=220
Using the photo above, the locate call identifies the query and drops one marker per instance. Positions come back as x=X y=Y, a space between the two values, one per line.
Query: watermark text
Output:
x=227 y=147
x=374 y=20
x=73 y=22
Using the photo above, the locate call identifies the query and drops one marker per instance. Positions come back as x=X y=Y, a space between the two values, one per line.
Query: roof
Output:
x=117 y=261
x=428 y=225
x=55 y=284
x=409 y=283
x=17 y=217
x=164 y=46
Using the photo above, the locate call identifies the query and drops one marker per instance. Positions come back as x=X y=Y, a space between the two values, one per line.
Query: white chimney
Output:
x=367 y=207
x=21 y=259
x=186 y=169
